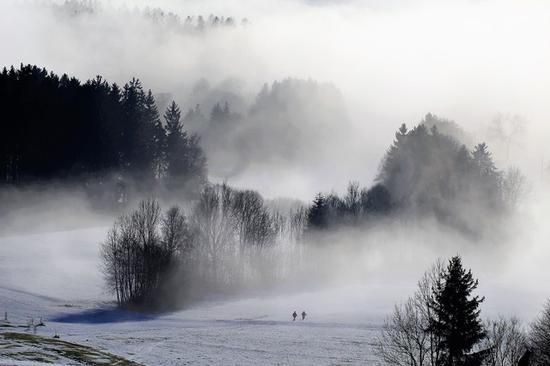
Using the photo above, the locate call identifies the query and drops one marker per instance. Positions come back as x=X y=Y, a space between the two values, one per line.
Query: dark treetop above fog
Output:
x=57 y=128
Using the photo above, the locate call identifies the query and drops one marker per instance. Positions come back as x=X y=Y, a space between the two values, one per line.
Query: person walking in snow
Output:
x=304 y=315
x=294 y=315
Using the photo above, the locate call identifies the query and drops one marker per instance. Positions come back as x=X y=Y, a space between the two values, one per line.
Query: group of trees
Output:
x=226 y=240
x=440 y=325
x=190 y=24
x=57 y=128
x=357 y=205
x=288 y=122
x=141 y=252
x=539 y=338
x=428 y=172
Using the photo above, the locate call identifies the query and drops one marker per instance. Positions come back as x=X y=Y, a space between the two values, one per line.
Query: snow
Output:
x=223 y=333
x=36 y=281
x=56 y=276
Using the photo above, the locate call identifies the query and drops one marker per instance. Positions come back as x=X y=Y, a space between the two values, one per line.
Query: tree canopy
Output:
x=58 y=128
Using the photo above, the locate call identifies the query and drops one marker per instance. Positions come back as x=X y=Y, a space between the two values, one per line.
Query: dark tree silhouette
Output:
x=318 y=213
x=185 y=161
x=456 y=322
x=158 y=135
x=176 y=139
x=140 y=252
x=377 y=200
x=428 y=172
x=56 y=128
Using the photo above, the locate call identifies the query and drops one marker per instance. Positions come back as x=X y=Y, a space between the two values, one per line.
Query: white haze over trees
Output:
x=393 y=63
x=342 y=146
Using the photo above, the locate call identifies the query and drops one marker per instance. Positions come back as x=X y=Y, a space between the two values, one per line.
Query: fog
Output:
x=393 y=62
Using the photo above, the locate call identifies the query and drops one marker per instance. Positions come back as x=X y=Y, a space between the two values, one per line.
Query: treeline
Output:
x=288 y=122
x=441 y=325
x=168 y=19
x=57 y=128
x=228 y=239
x=191 y=23
x=426 y=172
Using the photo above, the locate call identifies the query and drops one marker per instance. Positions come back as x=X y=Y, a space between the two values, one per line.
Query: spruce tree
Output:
x=377 y=200
x=176 y=141
x=157 y=134
x=456 y=322
x=483 y=159
x=134 y=155
x=318 y=213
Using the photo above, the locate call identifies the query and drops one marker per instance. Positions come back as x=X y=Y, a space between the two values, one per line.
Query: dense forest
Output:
x=427 y=173
x=57 y=128
x=94 y=131
x=287 y=122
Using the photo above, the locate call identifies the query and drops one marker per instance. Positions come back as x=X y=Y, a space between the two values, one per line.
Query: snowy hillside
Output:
x=66 y=293
x=247 y=332
x=56 y=276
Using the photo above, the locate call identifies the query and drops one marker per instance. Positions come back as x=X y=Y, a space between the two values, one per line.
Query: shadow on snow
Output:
x=98 y=316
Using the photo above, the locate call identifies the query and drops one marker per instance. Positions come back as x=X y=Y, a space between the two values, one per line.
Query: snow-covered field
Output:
x=56 y=276
x=66 y=292
x=248 y=332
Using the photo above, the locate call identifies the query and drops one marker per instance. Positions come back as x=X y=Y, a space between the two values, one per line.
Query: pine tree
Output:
x=489 y=179
x=134 y=155
x=217 y=114
x=176 y=141
x=392 y=159
x=482 y=157
x=456 y=322
x=185 y=160
x=318 y=213
x=157 y=134
x=377 y=200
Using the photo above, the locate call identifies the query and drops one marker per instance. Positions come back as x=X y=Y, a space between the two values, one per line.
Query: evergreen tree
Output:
x=488 y=178
x=377 y=200
x=196 y=165
x=483 y=159
x=456 y=322
x=217 y=115
x=317 y=217
x=185 y=160
x=194 y=119
x=392 y=160
x=90 y=132
x=157 y=134
x=132 y=150
x=176 y=141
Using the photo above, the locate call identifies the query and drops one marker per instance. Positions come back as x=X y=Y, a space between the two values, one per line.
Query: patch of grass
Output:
x=34 y=356
x=48 y=347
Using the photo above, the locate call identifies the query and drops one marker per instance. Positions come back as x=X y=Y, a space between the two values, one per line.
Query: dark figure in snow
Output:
x=294 y=315
x=304 y=315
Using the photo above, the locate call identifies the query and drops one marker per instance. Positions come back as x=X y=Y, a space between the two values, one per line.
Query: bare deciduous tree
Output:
x=505 y=341
x=406 y=339
x=213 y=222
x=539 y=337
x=513 y=186
x=140 y=250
